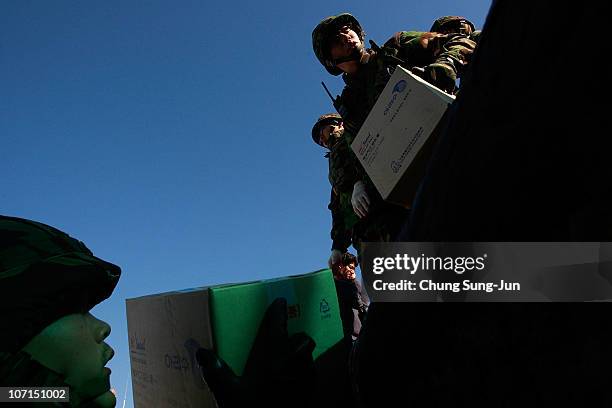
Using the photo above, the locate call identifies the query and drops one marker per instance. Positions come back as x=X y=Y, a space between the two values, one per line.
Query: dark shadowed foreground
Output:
x=522 y=158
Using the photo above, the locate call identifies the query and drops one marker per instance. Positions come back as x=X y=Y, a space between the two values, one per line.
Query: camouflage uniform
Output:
x=379 y=226
x=343 y=221
x=456 y=24
x=444 y=57
x=346 y=228
x=343 y=217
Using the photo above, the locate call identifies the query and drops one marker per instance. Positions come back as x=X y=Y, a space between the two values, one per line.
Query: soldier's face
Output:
x=329 y=132
x=349 y=271
x=346 y=272
x=344 y=45
x=74 y=347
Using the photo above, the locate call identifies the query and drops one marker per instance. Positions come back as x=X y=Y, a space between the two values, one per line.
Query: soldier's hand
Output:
x=279 y=371
x=418 y=71
x=334 y=259
x=360 y=199
x=441 y=76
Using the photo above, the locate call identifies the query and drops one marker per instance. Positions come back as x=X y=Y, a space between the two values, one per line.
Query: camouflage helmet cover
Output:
x=44 y=275
x=323 y=33
x=322 y=121
x=453 y=24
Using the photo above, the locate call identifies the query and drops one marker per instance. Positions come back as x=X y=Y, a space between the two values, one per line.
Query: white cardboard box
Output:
x=166 y=330
x=397 y=137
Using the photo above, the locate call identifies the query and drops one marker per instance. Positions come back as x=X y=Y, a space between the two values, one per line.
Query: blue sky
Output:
x=173 y=137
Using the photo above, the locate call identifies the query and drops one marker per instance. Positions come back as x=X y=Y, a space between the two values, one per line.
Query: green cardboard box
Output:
x=236 y=311
x=165 y=331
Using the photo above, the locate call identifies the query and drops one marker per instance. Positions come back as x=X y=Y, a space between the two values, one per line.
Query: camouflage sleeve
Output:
x=475 y=36
x=343 y=169
x=454 y=52
x=409 y=46
x=444 y=56
x=423 y=48
x=340 y=235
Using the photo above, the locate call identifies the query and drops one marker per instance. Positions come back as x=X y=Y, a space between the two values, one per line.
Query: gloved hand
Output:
x=360 y=199
x=418 y=71
x=442 y=76
x=335 y=258
x=279 y=371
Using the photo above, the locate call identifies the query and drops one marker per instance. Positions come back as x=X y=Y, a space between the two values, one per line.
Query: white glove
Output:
x=335 y=258
x=360 y=199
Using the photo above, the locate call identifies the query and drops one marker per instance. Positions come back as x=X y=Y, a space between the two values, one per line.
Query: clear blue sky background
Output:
x=172 y=137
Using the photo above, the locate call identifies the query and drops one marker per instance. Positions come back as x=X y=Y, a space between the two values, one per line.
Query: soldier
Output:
x=327 y=132
x=347 y=227
x=351 y=298
x=48 y=283
x=338 y=43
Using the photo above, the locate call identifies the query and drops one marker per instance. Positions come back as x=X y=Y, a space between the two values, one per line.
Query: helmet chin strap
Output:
x=358 y=54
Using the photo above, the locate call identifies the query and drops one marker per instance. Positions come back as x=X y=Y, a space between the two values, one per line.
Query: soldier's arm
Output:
x=475 y=36
x=409 y=46
x=340 y=235
x=346 y=169
x=418 y=48
x=444 y=56
x=343 y=170
x=454 y=51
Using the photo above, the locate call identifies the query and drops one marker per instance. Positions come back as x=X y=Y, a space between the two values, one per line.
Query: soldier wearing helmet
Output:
x=456 y=25
x=352 y=299
x=452 y=24
x=343 y=30
x=328 y=132
x=338 y=45
x=48 y=283
x=347 y=227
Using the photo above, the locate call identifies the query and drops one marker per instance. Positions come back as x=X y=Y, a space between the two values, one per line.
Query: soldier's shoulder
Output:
x=340 y=148
x=403 y=37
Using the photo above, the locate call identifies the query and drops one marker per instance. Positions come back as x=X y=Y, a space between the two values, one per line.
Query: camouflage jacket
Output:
x=475 y=36
x=343 y=216
x=342 y=170
x=343 y=220
x=450 y=53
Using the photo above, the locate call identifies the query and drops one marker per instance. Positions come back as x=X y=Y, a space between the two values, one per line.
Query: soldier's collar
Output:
x=332 y=142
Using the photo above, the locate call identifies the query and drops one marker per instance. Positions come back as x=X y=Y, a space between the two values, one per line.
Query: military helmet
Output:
x=323 y=33
x=453 y=24
x=44 y=275
x=322 y=121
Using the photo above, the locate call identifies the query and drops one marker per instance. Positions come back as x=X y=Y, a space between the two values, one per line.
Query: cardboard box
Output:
x=397 y=137
x=165 y=331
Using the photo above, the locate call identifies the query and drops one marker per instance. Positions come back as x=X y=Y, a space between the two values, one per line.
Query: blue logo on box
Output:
x=400 y=86
x=397 y=89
